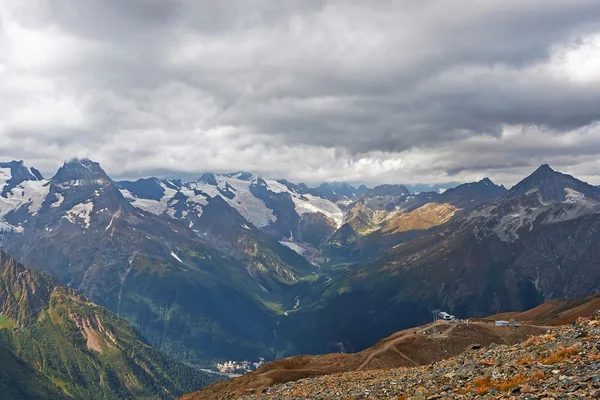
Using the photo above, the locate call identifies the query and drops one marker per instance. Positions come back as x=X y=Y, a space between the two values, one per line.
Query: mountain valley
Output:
x=234 y=269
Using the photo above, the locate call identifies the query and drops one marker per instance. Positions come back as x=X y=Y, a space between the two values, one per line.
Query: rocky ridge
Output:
x=563 y=363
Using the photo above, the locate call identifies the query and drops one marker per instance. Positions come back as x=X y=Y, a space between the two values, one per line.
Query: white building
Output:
x=445 y=316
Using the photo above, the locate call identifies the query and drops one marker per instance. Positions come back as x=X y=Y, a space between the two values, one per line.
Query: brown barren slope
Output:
x=412 y=347
x=556 y=312
x=425 y=217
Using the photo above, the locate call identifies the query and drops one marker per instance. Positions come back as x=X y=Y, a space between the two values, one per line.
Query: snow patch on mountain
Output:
x=573 y=196
x=507 y=227
x=28 y=193
x=572 y=210
x=312 y=204
x=277 y=187
x=235 y=190
x=308 y=203
x=176 y=257
x=5 y=175
x=531 y=191
x=32 y=193
x=156 y=207
x=81 y=211
x=293 y=246
x=111 y=222
x=195 y=201
x=58 y=202
x=248 y=205
x=159 y=207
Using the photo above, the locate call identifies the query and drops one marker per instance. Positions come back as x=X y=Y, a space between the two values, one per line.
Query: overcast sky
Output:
x=364 y=91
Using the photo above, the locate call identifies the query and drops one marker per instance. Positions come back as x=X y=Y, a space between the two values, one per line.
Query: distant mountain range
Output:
x=538 y=241
x=236 y=267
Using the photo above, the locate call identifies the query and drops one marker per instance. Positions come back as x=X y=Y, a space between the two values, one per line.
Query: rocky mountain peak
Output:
x=79 y=169
x=552 y=186
x=387 y=190
x=208 y=178
x=361 y=189
x=486 y=185
x=23 y=292
x=544 y=171
x=83 y=183
x=336 y=190
x=330 y=192
x=241 y=175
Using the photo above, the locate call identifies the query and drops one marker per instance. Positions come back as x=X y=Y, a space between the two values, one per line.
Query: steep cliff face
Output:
x=23 y=293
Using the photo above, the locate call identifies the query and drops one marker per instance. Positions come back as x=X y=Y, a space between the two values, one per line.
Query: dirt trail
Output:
x=411 y=347
x=391 y=345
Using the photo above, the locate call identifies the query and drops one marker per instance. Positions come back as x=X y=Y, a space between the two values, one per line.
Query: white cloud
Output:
x=308 y=90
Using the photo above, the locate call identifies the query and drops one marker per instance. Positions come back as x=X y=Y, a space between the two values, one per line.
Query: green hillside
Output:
x=55 y=344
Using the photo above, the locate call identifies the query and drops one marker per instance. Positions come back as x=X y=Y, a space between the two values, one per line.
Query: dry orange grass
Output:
x=559 y=356
x=539 y=339
x=505 y=385
x=538 y=375
x=527 y=361
x=481 y=386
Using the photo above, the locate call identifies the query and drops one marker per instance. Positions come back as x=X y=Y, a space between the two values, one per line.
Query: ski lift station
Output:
x=445 y=316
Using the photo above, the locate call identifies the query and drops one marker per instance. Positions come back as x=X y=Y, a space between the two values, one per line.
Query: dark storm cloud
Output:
x=325 y=89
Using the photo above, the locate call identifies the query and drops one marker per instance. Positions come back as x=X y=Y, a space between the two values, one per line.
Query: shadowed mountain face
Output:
x=55 y=344
x=554 y=186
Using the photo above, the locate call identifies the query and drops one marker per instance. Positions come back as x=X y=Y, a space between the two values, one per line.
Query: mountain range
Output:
x=239 y=268
x=536 y=242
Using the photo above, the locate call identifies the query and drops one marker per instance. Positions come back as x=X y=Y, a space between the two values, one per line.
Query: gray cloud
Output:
x=379 y=91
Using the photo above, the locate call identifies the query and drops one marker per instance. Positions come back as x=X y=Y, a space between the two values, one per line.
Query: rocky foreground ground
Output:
x=564 y=363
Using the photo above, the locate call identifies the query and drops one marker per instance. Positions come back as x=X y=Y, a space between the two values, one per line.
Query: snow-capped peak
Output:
x=23 y=189
x=13 y=173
